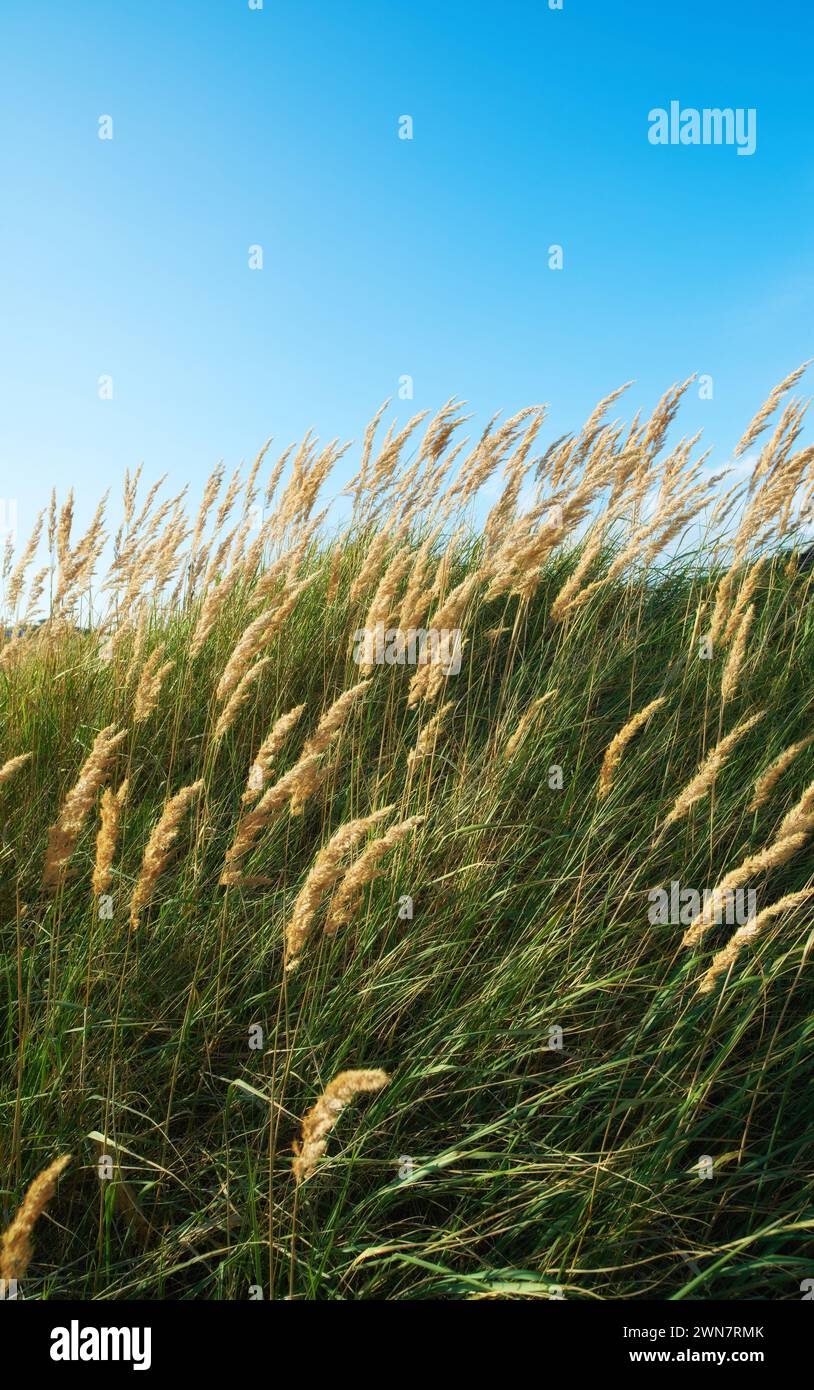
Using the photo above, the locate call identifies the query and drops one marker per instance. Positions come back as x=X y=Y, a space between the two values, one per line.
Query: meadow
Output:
x=328 y=978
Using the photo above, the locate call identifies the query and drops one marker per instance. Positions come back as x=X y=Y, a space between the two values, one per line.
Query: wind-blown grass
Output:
x=511 y=919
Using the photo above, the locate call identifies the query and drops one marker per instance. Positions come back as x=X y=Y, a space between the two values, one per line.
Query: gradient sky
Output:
x=383 y=256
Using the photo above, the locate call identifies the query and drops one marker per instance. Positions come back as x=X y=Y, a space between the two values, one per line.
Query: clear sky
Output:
x=384 y=257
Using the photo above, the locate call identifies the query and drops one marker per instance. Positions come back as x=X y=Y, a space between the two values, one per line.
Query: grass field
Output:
x=575 y=1105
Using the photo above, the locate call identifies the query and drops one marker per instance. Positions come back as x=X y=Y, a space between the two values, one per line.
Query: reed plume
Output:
x=772 y=857
x=333 y=719
x=13 y=765
x=364 y=869
x=385 y=595
x=258 y=634
x=732 y=669
x=766 y=411
x=267 y=752
x=110 y=816
x=63 y=835
x=766 y=784
x=252 y=823
x=428 y=737
x=243 y=653
x=727 y=957
x=325 y=871
x=323 y=1115
x=334 y=576
x=15 y=1246
x=525 y=723
x=151 y=680
x=617 y=745
x=239 y=696
x=794 y=830
x=211 y=610
x=704 y=779
x=744 y=597
x=429 y=678
x=159 y=847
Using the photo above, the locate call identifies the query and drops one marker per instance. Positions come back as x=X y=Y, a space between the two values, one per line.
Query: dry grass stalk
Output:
x=63 y=835
x=727 y=957
x=244 y=652
x=704 y=779
x=772 y=857
x=429 y=678
x=15 y=586
x=257 y=635
x=325 y=871
x=159 y=847
x=525 y=723
x=13 y=765
x=15 y=1245
x=427 y=738
x=252 y=823
x=385 y=595
x=110 y=816
x=266 y=753
x=334 y=575
x=239 y=696
x=744 y=597
x=766 y=784
x=766 y=411
x=321 y=1118
x=211 y=610
x=333 y=719
x=734 y=662
x=617 y=745
x=364 y=869
x=151 y=680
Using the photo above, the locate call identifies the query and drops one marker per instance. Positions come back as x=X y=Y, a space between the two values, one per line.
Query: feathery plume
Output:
x=428 y=737
x=727 y=957
x=617 y=745
x=334 y=575
x=321 y=1118
x=110 y=816
x=766 y=784
x=325 y=871
x=258 y=633
x=363 y=871
x=15 y=1246
x=15 y=586
x=151 y=680
x=526 y=722
x=159 y=847
x=211 y=610
x=749 y=586
x=766 y=411
x=734 y=662
x=13 y=765
x=333 y=719
x=63 y=835
x=252 y=823
x=266 y=753
x=239 y=696
x=779 y=852
x=704 y=779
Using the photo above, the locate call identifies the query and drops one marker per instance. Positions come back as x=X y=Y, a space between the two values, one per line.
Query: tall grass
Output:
x=558 y=1063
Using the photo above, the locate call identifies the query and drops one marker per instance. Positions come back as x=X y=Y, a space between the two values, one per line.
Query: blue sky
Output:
x=384 y=257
